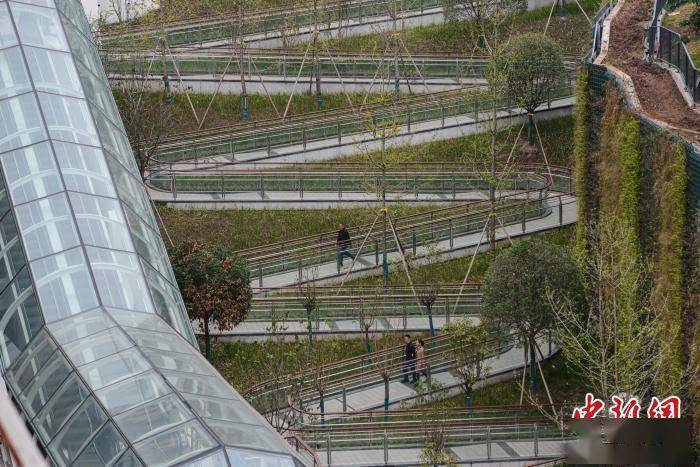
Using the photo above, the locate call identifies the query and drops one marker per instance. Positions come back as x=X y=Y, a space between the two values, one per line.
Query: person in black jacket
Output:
x=343 y=245
x=409 y=364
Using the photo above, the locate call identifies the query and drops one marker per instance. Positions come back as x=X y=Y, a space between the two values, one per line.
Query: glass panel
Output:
x=45 y=3
x=153 y=417
x=13 y=76
x=251 y=436
x=31 y=173
x=80 y=326
x=78 y=431
x=199 y=384
x=38 y=26
x=73 y=11
x=139 y=320
x=175 y=445
x=19 y=324
x=115 y=141
x=45 y=384
x=68 y=119
x=97 y=346
x=20 y=317
x=187 y=362
x=64 y=285
x=104 y=448
x=7 y=32
x=101 y=222
x=168 y=303
x=131 y=191
x=84 y=169
x=243 y=458
x=156 y=340
x=115 y=368
x=222 y=409
x=129 y=459
x=4 y=202
x=217 y=459
x=20 y=122
x=12 y=256
x=97 y=91
x=124 y=395
x=30 y=362
x=119 y=279
x=53 y=71
x=83 y=49
x=47 y=226
x=60 y=407
x=150 y=246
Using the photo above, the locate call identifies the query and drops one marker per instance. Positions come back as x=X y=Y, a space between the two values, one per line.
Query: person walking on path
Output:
x=343 y=245
x=420 y=359
x=409 y=364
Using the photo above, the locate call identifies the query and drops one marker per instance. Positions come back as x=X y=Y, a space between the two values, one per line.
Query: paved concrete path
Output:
x=358 y=143
x=369 y=398
x=462 y=245
x=502 y=453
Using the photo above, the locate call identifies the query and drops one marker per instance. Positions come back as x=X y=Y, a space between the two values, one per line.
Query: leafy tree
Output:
x=215 y=285
x=518 y=285
x=470 y=343
x=529 y=68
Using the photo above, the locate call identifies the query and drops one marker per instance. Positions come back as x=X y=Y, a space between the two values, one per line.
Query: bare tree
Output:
x=309 y=300
x=618 y=344
x=427 y=296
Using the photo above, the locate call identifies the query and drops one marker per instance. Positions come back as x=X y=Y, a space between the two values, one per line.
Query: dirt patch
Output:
x=658 y=94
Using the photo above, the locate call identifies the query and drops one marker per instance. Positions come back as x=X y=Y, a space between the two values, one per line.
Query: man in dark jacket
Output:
x=343 y=245
x=409 y=364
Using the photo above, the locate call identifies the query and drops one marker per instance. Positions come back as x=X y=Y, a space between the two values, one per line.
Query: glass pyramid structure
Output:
x=95 y=344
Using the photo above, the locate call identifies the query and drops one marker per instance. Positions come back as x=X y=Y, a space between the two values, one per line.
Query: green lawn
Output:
x=572 y=32
x=246 y=228
x=226 y=108
x=677 y=20
x=564 y=383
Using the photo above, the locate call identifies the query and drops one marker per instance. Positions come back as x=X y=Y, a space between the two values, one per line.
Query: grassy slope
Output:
x=226 y=108
x=245 y=228
x=572 y=32
x=677 y=20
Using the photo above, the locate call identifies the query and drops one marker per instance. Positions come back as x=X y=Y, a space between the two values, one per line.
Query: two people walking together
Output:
x=414 y=360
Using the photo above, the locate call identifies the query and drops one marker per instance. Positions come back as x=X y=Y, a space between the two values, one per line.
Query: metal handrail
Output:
x=299 y=130
x=271 y=22
x=302 y=447
x=672 y=51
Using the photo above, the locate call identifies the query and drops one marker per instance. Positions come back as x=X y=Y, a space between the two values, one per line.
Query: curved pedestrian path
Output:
x=333 y=134
x=288 y=70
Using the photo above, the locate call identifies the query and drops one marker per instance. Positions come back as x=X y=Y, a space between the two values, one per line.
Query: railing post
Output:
x=339 y=132
x=173 y=189
x=405 y=317
x=561 y=420
x=549 y=342
x=447 y=310
x=561 y=213
x=442 y=116
x=303 y=137
x=413 y=240
x=428 y=375
x=451 y=236
x=524 y=218
x=415 y=187
x=301 y=186
x=386 y=448
x=488 y=442
x=454 y=188
x=328 y=449
x=408 y=120
x=262 y=187
x=300 y=274
x=536 y=442
x=223 y=191
x=345 y=400
x=340 y=188
x=376 y=253
x=260 y=276
x=269 y=150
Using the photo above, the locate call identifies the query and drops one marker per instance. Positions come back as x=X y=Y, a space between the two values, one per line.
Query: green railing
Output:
x=339 y=124
x=367 y=303
x=270 y=23
x=450 y=181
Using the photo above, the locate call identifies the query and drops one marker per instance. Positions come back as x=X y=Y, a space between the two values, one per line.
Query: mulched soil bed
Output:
x=658 y=93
